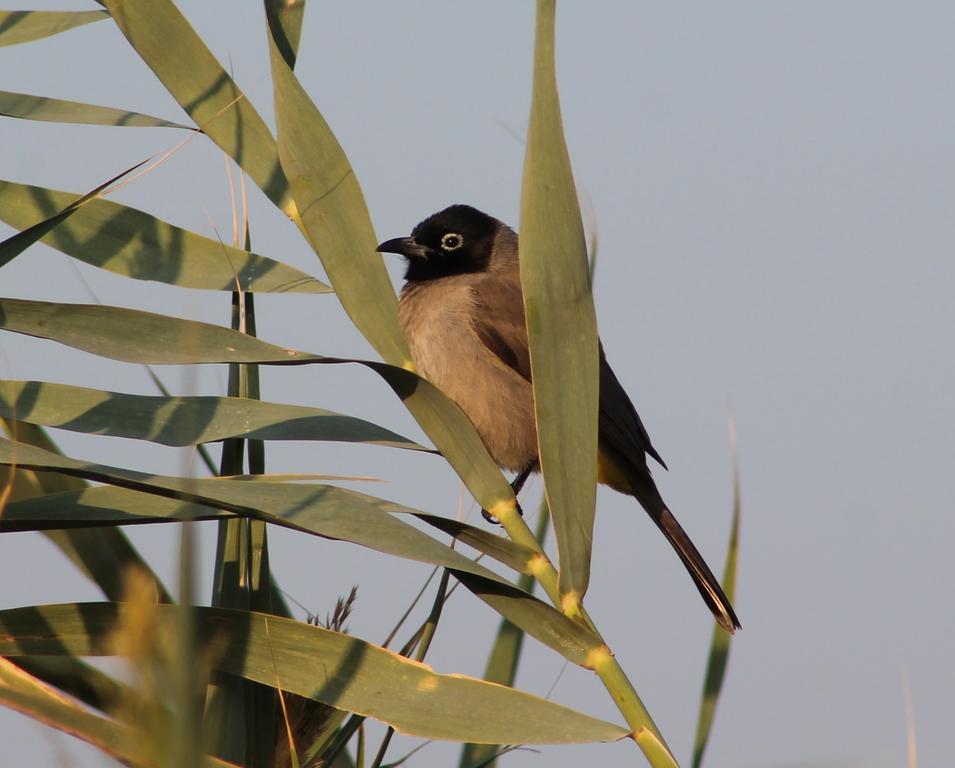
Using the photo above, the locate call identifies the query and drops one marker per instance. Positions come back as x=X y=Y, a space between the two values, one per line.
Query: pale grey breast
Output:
x=436 y=318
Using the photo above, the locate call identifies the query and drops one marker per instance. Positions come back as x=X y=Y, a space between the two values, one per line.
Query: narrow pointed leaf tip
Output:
x=26 y=26
x=135 y=244
x=28 y=107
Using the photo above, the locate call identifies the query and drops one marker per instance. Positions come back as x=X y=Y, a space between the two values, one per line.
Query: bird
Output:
x=462 y=311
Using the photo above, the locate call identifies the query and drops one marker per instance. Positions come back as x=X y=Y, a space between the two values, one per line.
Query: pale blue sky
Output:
x=773 y=184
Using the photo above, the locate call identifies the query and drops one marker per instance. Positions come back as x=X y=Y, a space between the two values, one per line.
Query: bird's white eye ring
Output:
x=451 y=241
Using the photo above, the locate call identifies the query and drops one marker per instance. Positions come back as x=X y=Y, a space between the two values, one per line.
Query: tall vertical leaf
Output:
x=232 y=697
x=561 y=322
x=720 y=642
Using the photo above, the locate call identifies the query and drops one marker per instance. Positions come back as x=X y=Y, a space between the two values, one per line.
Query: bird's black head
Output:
x=454 y=241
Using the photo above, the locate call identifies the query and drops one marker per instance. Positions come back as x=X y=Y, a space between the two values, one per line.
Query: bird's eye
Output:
x=451 y=241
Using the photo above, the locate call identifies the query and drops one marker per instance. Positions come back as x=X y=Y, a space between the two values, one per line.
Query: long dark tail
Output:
x=710 y=589
x=645 y=491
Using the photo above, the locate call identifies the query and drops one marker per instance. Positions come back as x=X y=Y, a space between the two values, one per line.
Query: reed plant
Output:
x=240 y=681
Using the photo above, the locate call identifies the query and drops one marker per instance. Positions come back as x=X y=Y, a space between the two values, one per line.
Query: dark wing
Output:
x=620 y=426
x=498 y=319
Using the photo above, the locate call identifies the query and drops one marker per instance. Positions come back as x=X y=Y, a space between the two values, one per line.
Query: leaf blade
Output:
x=26 y=106
x=117 y=333
x=720 y=641
x=27 y=26
x=334 y=214
x=183 y=421
x=170 y=47
x=561 y=321
x=326 y=511
x=355 y=675
x=335 y=218
x=135 y=244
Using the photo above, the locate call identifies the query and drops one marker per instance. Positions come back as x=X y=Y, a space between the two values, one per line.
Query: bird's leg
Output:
x=518 y=482
x=516 y=485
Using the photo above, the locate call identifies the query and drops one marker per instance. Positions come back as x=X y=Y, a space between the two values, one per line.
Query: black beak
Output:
x=405 y=246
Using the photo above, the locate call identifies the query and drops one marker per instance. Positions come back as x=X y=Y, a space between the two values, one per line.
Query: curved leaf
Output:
x=25 y=26
x=112 y=506
x=561 y=322
x=28 y=107
x=327 y=511
x=118 y=334
x=571 y=640
x=136 y=244
x=353 y=675
x=170 y=47
x=515 y=556
x=335 y=218
x=181 y=421
x=285 y=25
x=14 y=246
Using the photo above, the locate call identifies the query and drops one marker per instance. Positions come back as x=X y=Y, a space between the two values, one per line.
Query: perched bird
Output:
x=462 y=311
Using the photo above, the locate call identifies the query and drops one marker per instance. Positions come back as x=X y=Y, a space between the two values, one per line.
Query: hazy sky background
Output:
x=773 y=184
